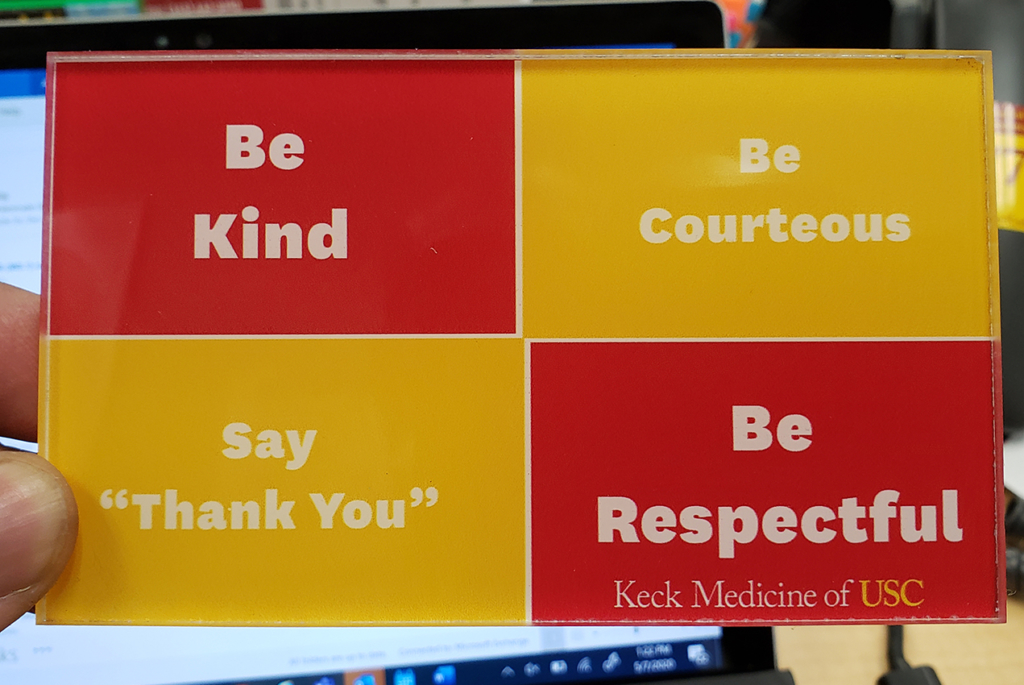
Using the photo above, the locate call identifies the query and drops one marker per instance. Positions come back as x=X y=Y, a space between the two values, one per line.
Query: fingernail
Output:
x=33 y=520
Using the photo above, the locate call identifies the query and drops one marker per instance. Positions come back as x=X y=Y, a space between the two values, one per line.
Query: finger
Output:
x=19 y=362
x=38 y=525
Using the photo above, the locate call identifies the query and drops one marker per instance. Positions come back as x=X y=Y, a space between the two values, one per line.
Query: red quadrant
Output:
x=652 y=423
x=420 y=154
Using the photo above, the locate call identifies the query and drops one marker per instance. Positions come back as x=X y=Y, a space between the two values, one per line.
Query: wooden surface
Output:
x=855 y=655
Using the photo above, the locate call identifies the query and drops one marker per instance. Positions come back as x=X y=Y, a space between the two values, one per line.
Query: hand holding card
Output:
x=38 y=517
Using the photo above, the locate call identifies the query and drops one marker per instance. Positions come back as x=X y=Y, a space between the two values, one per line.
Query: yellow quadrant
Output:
x=147 y=416
x=606 y=140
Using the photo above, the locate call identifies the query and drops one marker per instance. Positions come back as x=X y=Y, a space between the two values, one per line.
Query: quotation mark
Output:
x=120 y=500
x=417 y=495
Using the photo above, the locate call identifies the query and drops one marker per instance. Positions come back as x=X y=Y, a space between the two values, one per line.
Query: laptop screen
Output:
x=31 y=654
x=403 y=656
x=22 y=112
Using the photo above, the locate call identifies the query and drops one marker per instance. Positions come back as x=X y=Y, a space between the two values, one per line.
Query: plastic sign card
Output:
x=617 y=337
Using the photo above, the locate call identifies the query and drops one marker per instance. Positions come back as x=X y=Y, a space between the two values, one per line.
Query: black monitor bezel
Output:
x=683 y=23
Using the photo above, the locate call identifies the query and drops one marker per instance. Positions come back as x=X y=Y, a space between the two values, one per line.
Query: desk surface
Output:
x=855 y=655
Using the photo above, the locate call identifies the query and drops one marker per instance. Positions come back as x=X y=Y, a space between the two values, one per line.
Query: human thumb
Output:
x=38 y=525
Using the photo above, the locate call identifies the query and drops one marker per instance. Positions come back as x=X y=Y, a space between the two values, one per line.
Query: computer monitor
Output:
x=332 y=656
